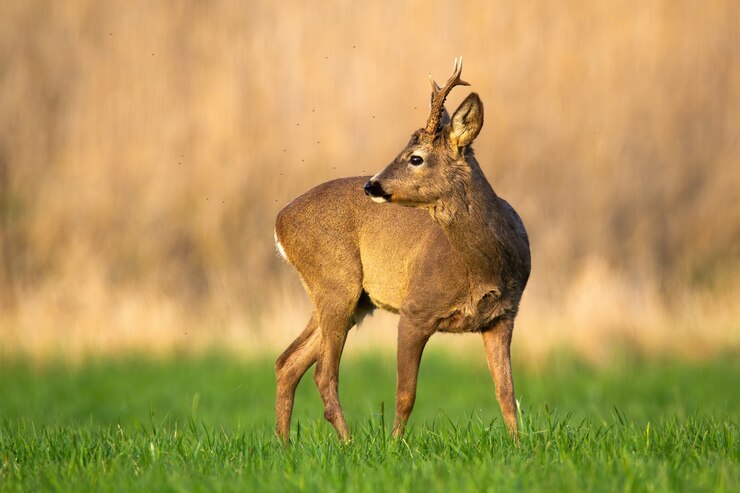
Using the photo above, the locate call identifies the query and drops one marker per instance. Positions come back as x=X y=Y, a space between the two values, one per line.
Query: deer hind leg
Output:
x=289 y=369
x=497 y=343
x=411 y=343
x=335 y=320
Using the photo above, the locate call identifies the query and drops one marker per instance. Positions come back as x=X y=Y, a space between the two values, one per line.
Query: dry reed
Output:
x=145 y=149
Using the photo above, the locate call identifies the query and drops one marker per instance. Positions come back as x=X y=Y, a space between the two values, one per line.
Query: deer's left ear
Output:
x=466 y=122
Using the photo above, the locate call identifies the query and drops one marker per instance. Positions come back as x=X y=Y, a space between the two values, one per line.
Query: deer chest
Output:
x=473 y=315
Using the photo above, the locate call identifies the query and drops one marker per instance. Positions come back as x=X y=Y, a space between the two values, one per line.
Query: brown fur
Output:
x=446 y=253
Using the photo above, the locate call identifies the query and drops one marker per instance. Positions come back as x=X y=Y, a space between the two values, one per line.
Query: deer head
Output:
x=425 y=171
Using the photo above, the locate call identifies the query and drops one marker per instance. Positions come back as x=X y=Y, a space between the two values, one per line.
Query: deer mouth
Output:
x=375 y=191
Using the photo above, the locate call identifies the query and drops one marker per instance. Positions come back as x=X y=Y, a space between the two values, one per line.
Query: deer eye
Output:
x=416 y=160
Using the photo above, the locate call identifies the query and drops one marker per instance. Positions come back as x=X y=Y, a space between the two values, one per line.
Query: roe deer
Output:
x=442 y=250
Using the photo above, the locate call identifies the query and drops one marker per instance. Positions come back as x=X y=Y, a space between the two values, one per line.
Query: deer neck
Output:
x=472 y=221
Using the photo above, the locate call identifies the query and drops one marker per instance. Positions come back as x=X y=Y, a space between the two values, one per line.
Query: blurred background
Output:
x=146 y=148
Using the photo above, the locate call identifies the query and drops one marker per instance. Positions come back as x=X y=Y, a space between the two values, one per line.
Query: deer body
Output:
x=446 y=253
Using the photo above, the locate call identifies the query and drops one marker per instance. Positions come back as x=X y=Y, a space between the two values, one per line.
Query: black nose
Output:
x=373 y=189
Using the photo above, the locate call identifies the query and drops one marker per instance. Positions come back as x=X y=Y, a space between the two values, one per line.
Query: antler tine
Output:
x=439 y=94
x=435 y=86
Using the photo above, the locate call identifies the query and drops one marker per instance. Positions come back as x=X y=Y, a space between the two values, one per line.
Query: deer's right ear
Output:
x=466 y=122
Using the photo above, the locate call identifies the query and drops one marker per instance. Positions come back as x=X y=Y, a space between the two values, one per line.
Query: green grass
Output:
x=193 y=424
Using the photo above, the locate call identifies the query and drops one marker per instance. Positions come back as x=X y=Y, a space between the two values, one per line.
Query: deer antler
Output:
x=439 y=94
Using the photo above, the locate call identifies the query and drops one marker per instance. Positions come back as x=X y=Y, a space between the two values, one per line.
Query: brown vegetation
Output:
x=145 y=149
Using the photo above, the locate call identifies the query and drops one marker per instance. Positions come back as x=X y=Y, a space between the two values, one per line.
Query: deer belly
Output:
x=384 y=284
x=383 y=295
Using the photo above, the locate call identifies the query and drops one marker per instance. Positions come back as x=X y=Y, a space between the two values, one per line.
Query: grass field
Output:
x=202 y=423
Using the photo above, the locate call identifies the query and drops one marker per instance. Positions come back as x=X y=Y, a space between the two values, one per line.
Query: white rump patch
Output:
x=280 y=248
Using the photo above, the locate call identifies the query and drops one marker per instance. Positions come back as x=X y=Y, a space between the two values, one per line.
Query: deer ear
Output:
x=444 y=120
x=466 y=122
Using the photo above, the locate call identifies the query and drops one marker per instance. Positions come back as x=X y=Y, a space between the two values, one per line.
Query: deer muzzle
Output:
x=375 y=191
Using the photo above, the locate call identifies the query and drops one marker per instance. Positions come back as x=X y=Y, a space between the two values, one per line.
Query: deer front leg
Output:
x=497 y=343
x=411 y=343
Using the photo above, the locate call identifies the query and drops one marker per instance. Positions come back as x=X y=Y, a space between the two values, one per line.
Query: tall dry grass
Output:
x=146 y=147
